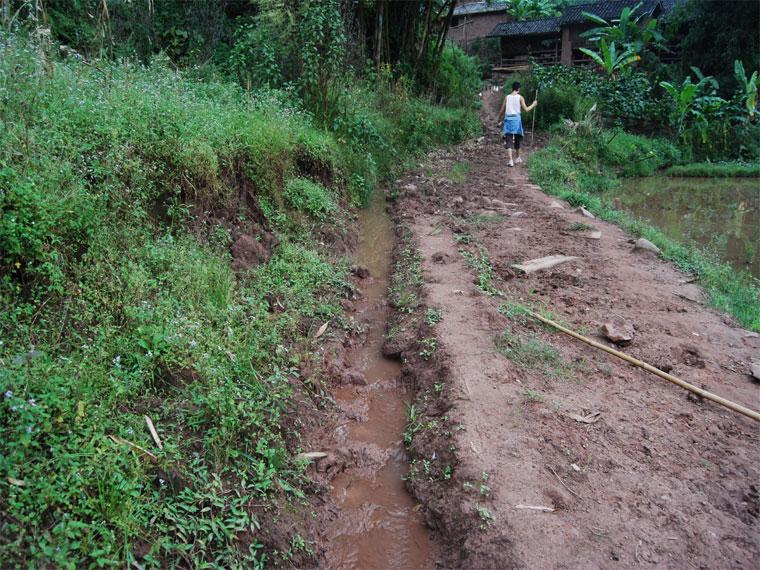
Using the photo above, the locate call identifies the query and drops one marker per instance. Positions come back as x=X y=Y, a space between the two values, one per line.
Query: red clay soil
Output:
x=658 y=478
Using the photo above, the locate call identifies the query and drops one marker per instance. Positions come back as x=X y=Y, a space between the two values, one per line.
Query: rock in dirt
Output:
x=594 y=235
x=752 y=340
x=542 y=263
x=646 y=246
x=583 y=211
x=439 y=257
x=458 y=201
x=618 y=331
x=360 y=271
x=692 y=293
x=518 y=215
x=409 y=187
x=555 y=204
x=754 y=370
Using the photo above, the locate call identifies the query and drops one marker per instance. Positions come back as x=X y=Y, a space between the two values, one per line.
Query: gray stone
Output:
x=542 y=263
x=618 y=331
x=692 y=293
x=754 y=369
x=555 y=204
x=583 y=211
x=646 y=246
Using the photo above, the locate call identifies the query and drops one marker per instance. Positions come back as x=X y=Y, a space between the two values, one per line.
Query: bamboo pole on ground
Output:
x=656 y=371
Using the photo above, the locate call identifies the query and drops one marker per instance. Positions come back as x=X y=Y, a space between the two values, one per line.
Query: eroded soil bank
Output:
x=529 y=449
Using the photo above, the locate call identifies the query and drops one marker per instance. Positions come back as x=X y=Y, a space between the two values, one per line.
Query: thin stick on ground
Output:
x=562 y=482
x=656 y=371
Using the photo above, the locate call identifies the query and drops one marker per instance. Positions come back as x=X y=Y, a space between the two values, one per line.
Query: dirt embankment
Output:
x=530 y=449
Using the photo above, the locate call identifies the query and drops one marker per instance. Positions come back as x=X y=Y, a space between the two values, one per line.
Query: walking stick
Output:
x=533 y=129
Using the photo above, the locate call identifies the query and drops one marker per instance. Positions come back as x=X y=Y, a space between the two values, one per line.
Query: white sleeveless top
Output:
x=513 y=104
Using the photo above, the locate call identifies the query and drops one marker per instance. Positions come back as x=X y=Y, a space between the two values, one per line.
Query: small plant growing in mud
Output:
x=532 y=352
x=486 y=517
x=478 y=220
x=468 y=486
x=433 y=316
x=414 y=424
x=463 y=238
x=407 y=276
x=447 y=472
x=429 y=346
x=482 y=264
x=580 y=227
x=533 y=397
x=458 y=173
x=438 y=387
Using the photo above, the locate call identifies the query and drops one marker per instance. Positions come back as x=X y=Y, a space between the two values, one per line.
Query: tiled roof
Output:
x=480 y=7
x=526 y=28
x=609 y=10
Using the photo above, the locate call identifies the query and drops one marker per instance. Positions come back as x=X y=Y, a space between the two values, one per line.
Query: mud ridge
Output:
x=529 y=449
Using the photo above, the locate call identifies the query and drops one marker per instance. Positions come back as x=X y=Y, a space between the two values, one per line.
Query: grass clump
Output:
x=480 y=262
x=716 y=170
x=485 y=219
x=310 y=197
x=458 y=173
x=532 y=352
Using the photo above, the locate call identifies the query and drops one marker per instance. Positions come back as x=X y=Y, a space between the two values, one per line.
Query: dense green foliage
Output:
x=123 y=190
x=580 y=164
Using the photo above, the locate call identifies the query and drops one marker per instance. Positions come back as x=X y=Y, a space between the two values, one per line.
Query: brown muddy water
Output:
x=378 y=526
x=720 y=214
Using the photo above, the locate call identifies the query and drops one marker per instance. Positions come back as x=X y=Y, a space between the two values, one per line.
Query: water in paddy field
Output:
x=378 y=526
x=722 y=214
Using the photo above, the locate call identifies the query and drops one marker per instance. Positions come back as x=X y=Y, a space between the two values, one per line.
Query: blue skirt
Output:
x=513 y=125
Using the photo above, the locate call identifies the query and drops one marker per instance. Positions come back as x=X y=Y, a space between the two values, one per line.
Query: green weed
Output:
x=485 y=219
x=532 y=352
x=482 y=264
x=458 y=173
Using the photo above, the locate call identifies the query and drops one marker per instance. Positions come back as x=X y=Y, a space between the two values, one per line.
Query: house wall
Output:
x=524 y=46
x=476 y=26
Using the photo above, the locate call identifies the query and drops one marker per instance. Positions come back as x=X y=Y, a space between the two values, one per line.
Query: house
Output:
x=473 y=20
x=557 y=40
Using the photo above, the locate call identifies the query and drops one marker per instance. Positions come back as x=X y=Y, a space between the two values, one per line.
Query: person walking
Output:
x=510 y=114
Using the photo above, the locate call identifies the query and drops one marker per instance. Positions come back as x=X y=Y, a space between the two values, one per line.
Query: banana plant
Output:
x=609 y=59
x=629 y=30
x=748 y=87
x=687 y=95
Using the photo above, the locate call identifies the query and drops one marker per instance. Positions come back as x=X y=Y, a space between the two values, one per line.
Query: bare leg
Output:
x=509 y=153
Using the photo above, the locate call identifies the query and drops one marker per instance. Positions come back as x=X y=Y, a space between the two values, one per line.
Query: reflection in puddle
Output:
x=378 y=526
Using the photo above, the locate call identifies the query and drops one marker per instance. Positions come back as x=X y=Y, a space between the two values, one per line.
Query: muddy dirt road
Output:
x=533 y=450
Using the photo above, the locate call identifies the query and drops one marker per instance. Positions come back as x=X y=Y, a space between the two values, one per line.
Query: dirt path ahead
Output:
x=652 y=477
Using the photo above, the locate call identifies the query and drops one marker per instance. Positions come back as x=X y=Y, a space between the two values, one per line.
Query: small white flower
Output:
x=9 y=394
x=28 y=429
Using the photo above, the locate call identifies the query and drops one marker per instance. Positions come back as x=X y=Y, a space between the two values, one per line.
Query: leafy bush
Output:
x=311 y=197
x=458 y=77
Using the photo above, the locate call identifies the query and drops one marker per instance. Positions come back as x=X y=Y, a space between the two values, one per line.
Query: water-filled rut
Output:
x=378 y=525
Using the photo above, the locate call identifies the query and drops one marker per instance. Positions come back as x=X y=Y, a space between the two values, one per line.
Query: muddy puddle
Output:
x=378 y=526
x=720 y=214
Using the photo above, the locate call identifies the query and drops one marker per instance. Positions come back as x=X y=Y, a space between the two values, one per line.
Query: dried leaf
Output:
x=153 y=432
x=17 y=482
x=591 y=418
x=321 y=330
